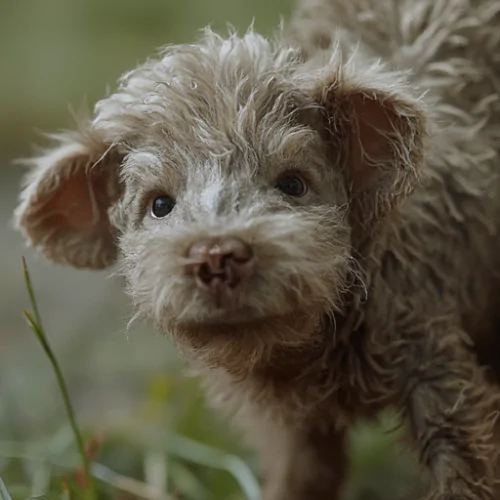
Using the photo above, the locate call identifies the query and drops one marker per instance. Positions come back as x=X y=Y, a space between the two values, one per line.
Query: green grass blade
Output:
x=4 y=494
x=31 y=292
x=202 y=454
x=35 y=323
x=127 y=484
x=179 y=446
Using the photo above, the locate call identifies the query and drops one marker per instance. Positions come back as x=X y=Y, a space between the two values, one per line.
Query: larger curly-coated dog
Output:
x=315 y=219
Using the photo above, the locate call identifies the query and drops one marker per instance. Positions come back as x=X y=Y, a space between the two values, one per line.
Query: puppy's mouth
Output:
x=222 y=317
x=220 y=304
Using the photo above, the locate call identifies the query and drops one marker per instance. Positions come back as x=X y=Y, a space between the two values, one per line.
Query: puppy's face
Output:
x=234 y=221
x=229 y=182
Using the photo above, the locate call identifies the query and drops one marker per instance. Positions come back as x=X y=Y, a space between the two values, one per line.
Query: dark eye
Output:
x=162 y=206
x=292 y=185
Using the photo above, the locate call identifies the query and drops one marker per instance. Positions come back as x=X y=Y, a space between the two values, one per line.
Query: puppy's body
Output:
x=309 y=308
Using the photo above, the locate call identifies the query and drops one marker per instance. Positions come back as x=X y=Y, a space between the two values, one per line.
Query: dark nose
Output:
x=221 y=266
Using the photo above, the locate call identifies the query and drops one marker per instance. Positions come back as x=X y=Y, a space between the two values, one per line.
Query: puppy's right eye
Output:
x=292 y=185
x=162 y=206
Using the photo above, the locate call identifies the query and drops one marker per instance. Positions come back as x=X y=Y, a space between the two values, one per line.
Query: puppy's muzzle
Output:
x=221 y=267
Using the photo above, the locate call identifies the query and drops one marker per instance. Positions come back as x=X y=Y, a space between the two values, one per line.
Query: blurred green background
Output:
x=130 y=386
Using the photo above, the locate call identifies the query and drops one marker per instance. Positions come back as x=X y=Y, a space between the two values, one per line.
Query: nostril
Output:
x=225 y=262
x=237 y=250
x=204 y=273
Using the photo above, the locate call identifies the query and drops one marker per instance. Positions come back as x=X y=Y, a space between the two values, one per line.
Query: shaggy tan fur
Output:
x=378 y=287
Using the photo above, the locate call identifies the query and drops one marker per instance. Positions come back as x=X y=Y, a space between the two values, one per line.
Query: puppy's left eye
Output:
x=292 y=185
x=162 y=206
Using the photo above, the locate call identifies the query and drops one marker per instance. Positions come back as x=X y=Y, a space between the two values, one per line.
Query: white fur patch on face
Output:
x=210 y=196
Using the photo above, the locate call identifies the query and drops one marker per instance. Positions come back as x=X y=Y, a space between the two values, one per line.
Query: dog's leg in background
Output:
x=303 y=464
x=451 y=411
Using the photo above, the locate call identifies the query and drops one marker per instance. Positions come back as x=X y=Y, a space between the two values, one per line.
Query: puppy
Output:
x=314 y=218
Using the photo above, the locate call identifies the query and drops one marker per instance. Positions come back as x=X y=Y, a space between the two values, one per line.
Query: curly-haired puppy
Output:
x=315 y=219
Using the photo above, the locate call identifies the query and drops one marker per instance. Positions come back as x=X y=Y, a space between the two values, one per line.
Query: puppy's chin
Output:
x=248 y=344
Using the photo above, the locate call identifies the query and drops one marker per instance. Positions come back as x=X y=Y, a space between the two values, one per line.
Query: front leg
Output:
x=450 y=408
x=307 y=464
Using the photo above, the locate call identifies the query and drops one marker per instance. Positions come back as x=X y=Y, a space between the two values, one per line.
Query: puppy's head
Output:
x=231 y=180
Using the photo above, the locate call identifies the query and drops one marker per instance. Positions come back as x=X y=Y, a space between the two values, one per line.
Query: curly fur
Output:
x=377 y=288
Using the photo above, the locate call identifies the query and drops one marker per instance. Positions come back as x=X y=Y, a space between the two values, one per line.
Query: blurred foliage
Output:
x=55 y=52
x=149 y=419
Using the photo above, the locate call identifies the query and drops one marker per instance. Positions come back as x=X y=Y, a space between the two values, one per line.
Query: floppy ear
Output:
x=379 y=128
x=64 y=205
